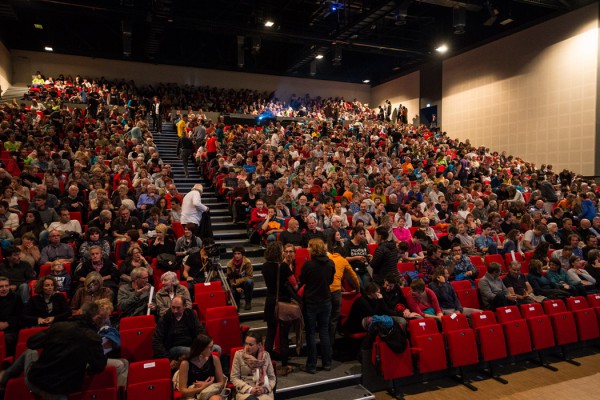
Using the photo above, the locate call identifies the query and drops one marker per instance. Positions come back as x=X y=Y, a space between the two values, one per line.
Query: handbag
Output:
x=285 y=311
x=167 y=261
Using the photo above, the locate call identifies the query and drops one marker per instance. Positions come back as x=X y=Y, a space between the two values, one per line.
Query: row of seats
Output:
x=511 y=331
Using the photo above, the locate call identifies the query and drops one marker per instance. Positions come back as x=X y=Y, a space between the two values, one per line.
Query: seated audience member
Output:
x=423 y=301
x=123 y=223
x=47 y=214
x=430 y=263
x=163 y=243
x=460 y=266
x=200 y=372
x=581 y=276
x=542 y=285
x=517 y=284
x=593 y=266
x=272 y=225
x=134 y=298
x=393 y=296
x=250 y=362
x=57 y=250
x=400 y=232
x=533 y=237
x=135 y=259
x=32 y=223
x=18 y=272
x=291 y=234
x=30 y=252
x=93 y=289
x=104 y=224
x=493 y=292
x=446 y=242
x=171 y=288
x=47 y=305
x=111 y=341
x=446 y=295
x=132 y=237
x=61 y=276
x=189 y=243
x=358 y=255
x=488 y=242
x=106 y=268
x=175 y=331
x=561 y=280
x=336 y=226
x=312 y=232
x=93 y=237
x=239 y=276
x=11 y=312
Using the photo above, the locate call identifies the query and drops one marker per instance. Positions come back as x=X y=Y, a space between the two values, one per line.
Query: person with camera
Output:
x=201 y=264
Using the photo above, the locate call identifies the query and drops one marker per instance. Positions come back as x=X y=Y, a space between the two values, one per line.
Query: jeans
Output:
x=317 y=317
x=364 y=280
x=23 y=365
x=336 y=305
x=247 y=287
x=284 y=345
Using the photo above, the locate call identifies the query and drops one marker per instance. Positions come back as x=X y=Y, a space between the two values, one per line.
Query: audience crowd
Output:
x=87 y=204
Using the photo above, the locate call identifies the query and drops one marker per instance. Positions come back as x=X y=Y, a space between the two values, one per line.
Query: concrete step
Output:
x=355 y=392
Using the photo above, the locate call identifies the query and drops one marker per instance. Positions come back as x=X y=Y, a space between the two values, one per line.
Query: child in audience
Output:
x=62 y=277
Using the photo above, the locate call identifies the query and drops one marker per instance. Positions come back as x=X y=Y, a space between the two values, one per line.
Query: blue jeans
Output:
x=317 y=317
x=364 y=280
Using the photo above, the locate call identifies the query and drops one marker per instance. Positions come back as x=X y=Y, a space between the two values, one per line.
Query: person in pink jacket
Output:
x=423 y=301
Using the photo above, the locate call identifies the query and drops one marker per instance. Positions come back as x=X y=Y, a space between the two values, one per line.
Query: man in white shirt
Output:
x=192 y=207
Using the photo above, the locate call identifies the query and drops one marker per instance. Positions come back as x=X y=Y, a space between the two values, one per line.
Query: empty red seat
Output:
x=497 y=258
x=389 y=363
x=348 y=300
x=492 y=345
x=140 y=321
x=428 y=344
x=102 y=386
x=226 y=332
x=516 y=330
x=206 y=300
x=404 y=267
x=149 y=380
x=563 y=322
x=17 y=389
x=215 y=286
x=462 y=347
x=302 y=256
x=585 y=318
x=136 y=344
x=540 y=328
x=466 y=293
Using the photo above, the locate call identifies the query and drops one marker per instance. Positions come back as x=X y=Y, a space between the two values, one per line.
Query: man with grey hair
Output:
x=336 y=226
x=192 y=207
x=312 y=232
x=103 y=222
x=134 y=299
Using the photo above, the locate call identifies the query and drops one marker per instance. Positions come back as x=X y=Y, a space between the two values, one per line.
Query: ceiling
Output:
x=375 y=40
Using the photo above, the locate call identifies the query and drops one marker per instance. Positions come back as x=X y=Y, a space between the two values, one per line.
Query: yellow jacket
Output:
x=342 y=267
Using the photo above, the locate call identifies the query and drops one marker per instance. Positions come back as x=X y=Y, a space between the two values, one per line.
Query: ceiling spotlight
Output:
x=366 y=81
x=269 y=24
x=442 y=49
x=48 y=48
x=38 y=26
x=506 y=21
x=319 y=56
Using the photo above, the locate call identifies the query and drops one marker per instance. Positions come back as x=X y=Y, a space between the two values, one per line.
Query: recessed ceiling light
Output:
x=38 y=26
x=48 y=48
x=319 y=56
x=506 y=21
x=366 y=81
x=269 y=24
x=442 y=49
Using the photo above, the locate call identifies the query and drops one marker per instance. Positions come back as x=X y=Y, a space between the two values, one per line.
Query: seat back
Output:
x=420 y=327
x=17 y=389
x=454 y=322
x=404 y=267
x=371 y=247
x=206 y=300
x=24 y=335
x=302 y=256
x=577 y=303
x=532 y=310
x=390 y=364
x=218 y=312
x=136 y=344
x=226 y=331
x=177 y=229
x=159 y=389
x=140 y=321
x=492 y=344
x=593 y=300
x=554 y=307
x=215 y=286
x=476 y=260
x=151 y=370
x=76 y=215
x=506 y=314
x=468 y=297
x=102 y=386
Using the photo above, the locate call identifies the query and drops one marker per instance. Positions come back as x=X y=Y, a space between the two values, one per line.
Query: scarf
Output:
x=257 y=363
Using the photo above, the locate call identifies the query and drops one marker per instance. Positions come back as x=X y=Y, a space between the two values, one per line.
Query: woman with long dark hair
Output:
x=200 y=372
x=32 y=223
x=274 y=263
x=47 y=306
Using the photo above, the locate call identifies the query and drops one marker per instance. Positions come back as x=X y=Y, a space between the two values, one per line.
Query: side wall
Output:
x=5 y=69
x=532 y=94
x=404 y=90
x=26 y=62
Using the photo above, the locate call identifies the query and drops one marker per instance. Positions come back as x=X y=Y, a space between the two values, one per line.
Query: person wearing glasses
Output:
x=252 y=372
x=134 y=299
